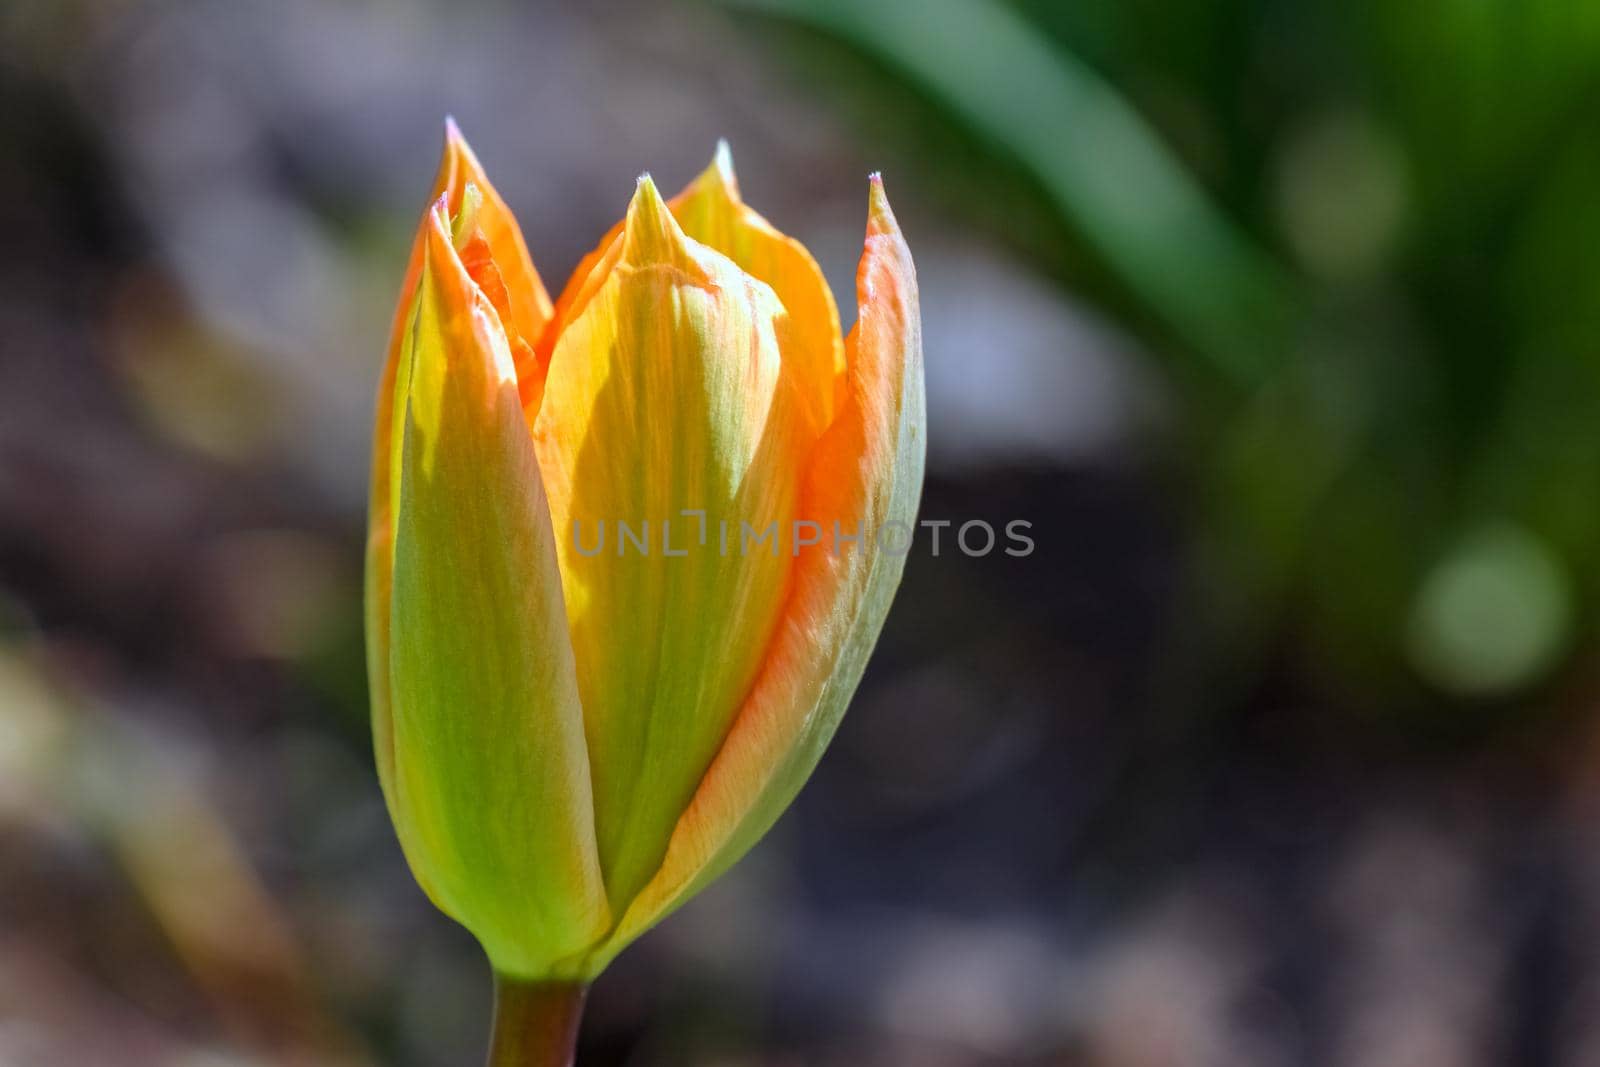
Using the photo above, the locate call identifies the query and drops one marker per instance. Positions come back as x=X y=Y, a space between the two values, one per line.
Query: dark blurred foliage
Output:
x=1352 y=236
x=1272 y=316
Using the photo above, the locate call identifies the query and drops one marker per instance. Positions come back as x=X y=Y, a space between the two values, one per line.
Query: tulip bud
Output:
x=573 y=741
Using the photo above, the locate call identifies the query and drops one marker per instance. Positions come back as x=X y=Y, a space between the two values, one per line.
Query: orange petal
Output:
x=529 y=301
x=866 y=474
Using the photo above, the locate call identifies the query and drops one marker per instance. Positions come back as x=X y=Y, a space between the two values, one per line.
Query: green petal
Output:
x=491 y=784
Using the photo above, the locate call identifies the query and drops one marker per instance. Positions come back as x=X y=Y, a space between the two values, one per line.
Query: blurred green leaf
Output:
x=1480 y=87
x=1106 y=171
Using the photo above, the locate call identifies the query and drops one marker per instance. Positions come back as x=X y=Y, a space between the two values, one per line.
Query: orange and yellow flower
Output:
x=573 y=741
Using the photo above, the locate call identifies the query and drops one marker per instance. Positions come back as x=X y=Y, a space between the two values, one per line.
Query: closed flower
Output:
x=577 y=727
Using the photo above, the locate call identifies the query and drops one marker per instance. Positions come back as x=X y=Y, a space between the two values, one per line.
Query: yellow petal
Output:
x=866 y=474
x=528 y=311
x=711 y=212
x=669 y=390
x=490 y=781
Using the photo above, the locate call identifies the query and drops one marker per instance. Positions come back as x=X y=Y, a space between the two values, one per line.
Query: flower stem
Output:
x=535 y=1023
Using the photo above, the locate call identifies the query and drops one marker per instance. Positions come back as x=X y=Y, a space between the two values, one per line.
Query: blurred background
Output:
x=1278 y=319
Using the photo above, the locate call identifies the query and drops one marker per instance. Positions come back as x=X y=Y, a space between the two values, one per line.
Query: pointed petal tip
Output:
x=647 y=199
x=650 y=233
x=880 y=217
x=455 y=142
x=721 y=168
x=460 y=162
x=647 y=206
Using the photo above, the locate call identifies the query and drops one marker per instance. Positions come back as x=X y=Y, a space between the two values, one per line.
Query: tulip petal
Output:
x=668 y=390
x=710 y=211
x=491 y=777
x=503 y=247
x=529 y=310
x=866 y=474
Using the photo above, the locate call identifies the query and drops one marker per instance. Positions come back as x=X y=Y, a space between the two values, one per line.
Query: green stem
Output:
x=535 y=1023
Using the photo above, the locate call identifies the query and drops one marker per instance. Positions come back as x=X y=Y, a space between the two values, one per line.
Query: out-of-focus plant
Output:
x=1375 y=234
x=90 y=776
x=573 y=736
